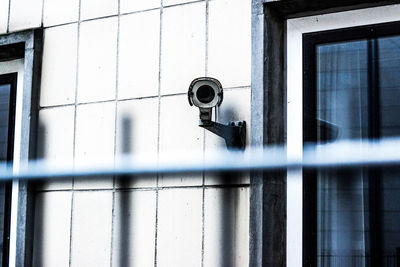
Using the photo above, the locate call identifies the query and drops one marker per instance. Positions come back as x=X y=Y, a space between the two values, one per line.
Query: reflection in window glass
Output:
x=6 y=113
x=358 y=97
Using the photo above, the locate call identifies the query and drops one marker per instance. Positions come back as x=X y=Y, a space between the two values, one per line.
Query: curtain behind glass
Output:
x=5 y=91
x=358 y=211
x=342 y=103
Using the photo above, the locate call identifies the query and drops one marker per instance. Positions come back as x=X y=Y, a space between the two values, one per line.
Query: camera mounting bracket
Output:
x=234 y=132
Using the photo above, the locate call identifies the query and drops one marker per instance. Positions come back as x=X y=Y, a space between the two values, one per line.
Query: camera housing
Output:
x=205 y=93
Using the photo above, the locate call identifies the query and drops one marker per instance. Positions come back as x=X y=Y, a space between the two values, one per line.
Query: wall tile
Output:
x=226 y=229
x=25 y=14
x=95 y=140
x=134 y=228
x=137 y=130
x=235 y=107
x=131 y=6
x=182 y=47
x=98 y=8
x=58 y=81
x=55 y=141
x=179 y=132
x=91 y=229
x=176 y=2
x=97 y=60
x=179 y=227
x=139 y=55
x=229 y=42
x=52 y=229
x=3 y=15
x=60 y=11
x=56 y=133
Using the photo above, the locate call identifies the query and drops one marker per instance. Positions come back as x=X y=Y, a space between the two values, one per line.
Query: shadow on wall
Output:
x=38 y=227
x=226 y=225
x=124 y=217
x=229 y=113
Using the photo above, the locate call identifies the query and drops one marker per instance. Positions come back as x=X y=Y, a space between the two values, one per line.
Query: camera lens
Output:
x=205 y=94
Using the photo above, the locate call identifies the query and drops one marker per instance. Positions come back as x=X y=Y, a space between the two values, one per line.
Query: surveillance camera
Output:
x=205 y=93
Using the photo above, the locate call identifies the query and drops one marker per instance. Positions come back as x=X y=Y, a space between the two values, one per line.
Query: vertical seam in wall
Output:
x=9 y=14
x=115 y=134
x=42 y=13
x=204 y=146
x=74 y=134
x=158 y=131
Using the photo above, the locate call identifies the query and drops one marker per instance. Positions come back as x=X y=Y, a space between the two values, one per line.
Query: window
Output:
x=343 y=84
x=20 y=57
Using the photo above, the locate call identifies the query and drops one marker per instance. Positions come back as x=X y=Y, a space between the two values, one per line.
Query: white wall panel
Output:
x=179 y=228
x=98 y=8
x=182 y=47
x=91 y=229
x=139 y=55
x=97 y=60
x=131 y=6
x=229 y=40
x=137 y=132
x=134 y=228
x=52 y=229
x=226 y=227
x=3 y=15
x=58 y=82
x=60 y=11
x=25 y=14
x=56 y=135
x=95 y=140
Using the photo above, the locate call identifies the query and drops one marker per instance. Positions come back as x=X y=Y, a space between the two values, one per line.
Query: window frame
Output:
x=11 y=79
x=295 y=29
x=310 y=40
x=26 y=45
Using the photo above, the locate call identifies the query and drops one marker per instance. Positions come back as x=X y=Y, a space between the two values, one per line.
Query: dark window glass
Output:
x=7 y=110
x=352 y=93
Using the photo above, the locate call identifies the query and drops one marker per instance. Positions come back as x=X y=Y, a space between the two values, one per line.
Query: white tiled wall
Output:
x=115 y=68
x=3 y=15
x=25 y=14
x=91 y=9
x=97 y=60
x=58 y=81
x=226 y=227
x=229 y=52
x=182 y=47
x=52 y=229
x=179 y=227
x=139 y=54
x=60 y=11
x=91 y=228
x=134 y=228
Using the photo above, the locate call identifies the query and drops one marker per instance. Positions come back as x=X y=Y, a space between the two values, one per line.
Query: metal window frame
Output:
x=26 y=45
x=11 y=79
x=310 y=40
x=296 y=28
x=268 y=215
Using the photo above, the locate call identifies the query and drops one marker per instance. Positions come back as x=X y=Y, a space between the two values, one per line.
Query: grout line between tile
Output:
x=9 y=14
x=42 y=23
x=165 y=188
x=74 y=132
x=137 y=98
x=115 y=134
x=204 y=143
x=122 y=14
x=158 y=130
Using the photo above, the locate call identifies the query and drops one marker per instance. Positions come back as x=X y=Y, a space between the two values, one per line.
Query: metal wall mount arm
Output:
x=234 y=133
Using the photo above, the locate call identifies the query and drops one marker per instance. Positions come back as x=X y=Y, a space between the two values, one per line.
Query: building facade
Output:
x=88 y=80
